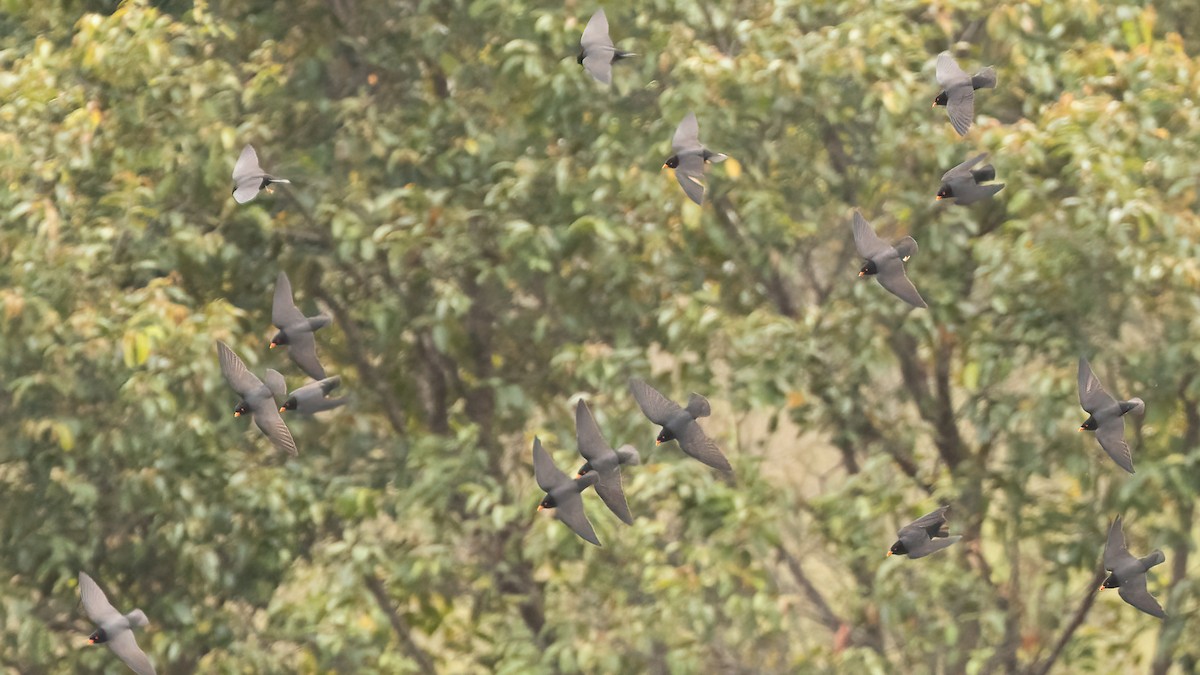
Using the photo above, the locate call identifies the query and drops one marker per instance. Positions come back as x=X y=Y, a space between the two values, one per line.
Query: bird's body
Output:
x=1128 y=574
x=596 y=50
x=1107 y=416
x=885 y=261
x=925 y=535
x=248 y=177
x=296 y=330
x=958 y=91
x=690 y=158
x=114 y=629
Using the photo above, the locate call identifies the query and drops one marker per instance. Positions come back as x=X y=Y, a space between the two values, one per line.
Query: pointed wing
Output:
x=268 y=419
x=246 y=190
x=697 y=444
x=595 y=34
x=1092 y=396
x=548 y=475
x=284 y=312
x=1111 y=434
x=1133 y=591
x=960 y=105
x=239 y=378
x=247 y=167
x=687 y=136
x=1115 y=554
x=931 y=546
x=275 y=382
x=569 y=509
x=931 y=522
x=656 y=407
x=963 y=171
x=891 y=276
x=613 y=493
x=95 y=604
x=598 y=63
x=592 y=445
x=868 y=244
x=690 y=174
x=948 y=72
x=302 y=347
x=125 y=646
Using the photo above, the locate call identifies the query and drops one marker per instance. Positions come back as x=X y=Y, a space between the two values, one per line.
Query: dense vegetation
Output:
x=494 y=238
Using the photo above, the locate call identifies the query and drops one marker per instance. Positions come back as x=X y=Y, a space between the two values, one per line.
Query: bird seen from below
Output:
x=690 y=158
x=596 y=50
x=1107 y=416
x=248 y=177
x=958 y=91
x=258 y=399
x=1128 y=574
x=964 y=184
x=925 y=535
x=563 y=494
x=603 y=461
x=296 y=330
x=679 y=424
x=114 y=629
x=885 y=261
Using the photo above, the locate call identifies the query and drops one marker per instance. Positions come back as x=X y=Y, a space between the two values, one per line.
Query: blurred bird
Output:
x=311 y=398
x=257 y=399
x=1129 y=573
x=962 y=183
x=562 y=493
x=886 y=262
x=690 y=158
x=603 y=461
x=296 y=330
x=916 y=540
x=596 y=50
x=249 y=178
x=114 y=630
x=1107 y=416
x=958 y=91
x=680 y=423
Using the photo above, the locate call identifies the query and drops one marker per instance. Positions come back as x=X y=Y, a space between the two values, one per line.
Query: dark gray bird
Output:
x=296 y=330
x=114 y=630
x=886 y=262
x=1129 y=573
x=249 y=178
x=680 y=423
x=958 y=91
x=596 y=50
x=603 y=461
x=1107 y=416
x=563 y=494
x=311 y=398
x=690 y=158
x=925 y=535
x=257 y=399
x=962 y=183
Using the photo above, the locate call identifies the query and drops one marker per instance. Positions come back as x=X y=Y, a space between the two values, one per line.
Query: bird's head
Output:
x=1110 y=582
x=241 y=409
x=944 y=193
x=279 y=339
x=896 y=549
x=672 y=162
x=868 y=269
x=941 y=99
x=583 y=470
x=97 y=638
x=664 y=436
x=289 y=404
x=547 y=503
x=1089 y=425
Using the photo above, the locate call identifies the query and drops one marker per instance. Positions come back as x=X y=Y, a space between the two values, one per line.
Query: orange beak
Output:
x=860 y=274
x=934 y=105
x=237 y=414
x=541 y=508
x=282 y=408
x=664 y=165
x=937 y=198
x=1081 y=429
x=578 y=476
x=888 y=555
x=1101 y=588
x=657 y=442
x=272 y=345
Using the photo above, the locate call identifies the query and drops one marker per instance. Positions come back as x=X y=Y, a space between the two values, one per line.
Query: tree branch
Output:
x=399 y=625
x=1076 y=621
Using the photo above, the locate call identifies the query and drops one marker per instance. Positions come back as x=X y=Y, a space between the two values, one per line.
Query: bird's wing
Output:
x=302 y=347
x=931 y=522
x=95 y=604
x=929 y=546
x=697 y=444
x=866 y=242
x=275 y=382
x=316 y=405
x=592 y=445
x=687 y=136
x=656 y=407
x=284 y=311
x=236 y=374
x=963 y=171
x=1115 y=553
x=1133 y=590
x=247 y=167
x=1111 y=434
x=1092 y=396
x=595 y=34
x=246 y=189
x=891 y=276
x=611 y=491
x=125 y=646
x=548 y=475
x=690 y=174
x=598 y=63
x=949 y=74
x=569 y=509
x=960 y=105
x=268 y=419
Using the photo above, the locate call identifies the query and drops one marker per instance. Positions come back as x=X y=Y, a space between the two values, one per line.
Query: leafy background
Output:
x=493 y=235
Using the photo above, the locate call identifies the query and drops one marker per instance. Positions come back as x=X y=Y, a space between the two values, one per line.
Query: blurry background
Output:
x=493 y=234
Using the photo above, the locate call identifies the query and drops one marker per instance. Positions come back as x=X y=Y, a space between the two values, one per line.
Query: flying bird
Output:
x=563 y=494
x=925 y=535
x=958 y=91
x=296 y=330
x=963 y=184
x=1107 y=416
x=114 y=630
x=690 y=158
x=603 y=461
x=1129 y=573
x=313 y=397
x=680 y=423
x=249 y=178
x=258 y=399
x=886 y=262
x=596 y=50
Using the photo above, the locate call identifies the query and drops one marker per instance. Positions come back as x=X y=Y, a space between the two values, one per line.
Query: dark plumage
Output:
x=1107 y=416
x=563 y=494
x=249 y=178
x=603 y=461
x=114 y=630
x=886 y=262
x=690 y=158
x=1129 y=573
x=596 y=50
x=925 y=535
x=311 y=398
x=963 y=184
x=680 y=424
x=296 y=330
x=257 y=399
x=958 y=91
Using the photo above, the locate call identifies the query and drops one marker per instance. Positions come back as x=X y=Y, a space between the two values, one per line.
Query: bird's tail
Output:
x=698 y=406
x=319 y=321
x=1136 y=406
x=984 y=79
x=1155 y=558
x=906 y=247
x=137 y=617
x=984 y=173
x=628 y=455
x=618 y=55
